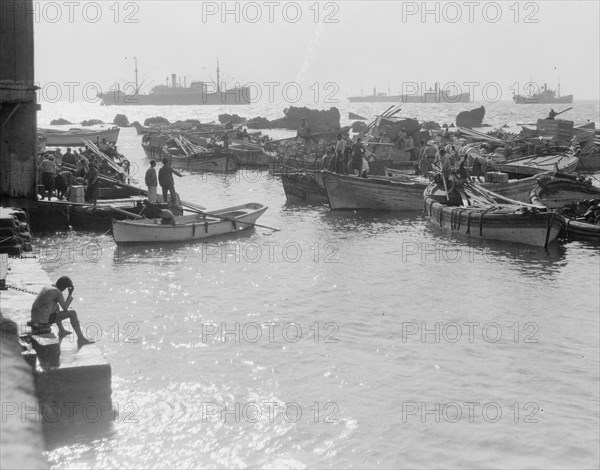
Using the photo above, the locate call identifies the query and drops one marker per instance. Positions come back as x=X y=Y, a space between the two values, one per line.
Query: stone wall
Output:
x=21 y=438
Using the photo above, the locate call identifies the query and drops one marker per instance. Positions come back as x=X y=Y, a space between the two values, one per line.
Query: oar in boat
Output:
x=208 y=214
x=129 y=214
x=494 y=195
x=564 y=111
x=191 y=205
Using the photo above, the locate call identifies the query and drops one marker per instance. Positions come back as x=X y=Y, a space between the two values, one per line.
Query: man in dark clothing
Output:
x=358 y=152
x=165 y=179
x=63 y=181
x=92 y=180
x=69 y=158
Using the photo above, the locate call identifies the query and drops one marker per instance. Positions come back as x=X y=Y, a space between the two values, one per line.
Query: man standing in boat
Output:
x=165 y=179
x=151 y=182
x=340 y=151
x=358 y=152
x=92 y=179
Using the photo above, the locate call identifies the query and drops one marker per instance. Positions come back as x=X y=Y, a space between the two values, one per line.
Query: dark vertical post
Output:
x=18 y=108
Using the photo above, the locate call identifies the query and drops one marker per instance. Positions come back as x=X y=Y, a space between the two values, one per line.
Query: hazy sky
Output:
x=337 y=45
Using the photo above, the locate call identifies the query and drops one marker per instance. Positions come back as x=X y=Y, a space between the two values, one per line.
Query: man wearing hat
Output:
x=46 y=309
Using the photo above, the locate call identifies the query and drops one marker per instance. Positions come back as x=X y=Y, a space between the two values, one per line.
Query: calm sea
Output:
x=345 y=339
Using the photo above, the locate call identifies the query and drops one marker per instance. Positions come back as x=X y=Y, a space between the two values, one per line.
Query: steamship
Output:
x=198 y=93
x=546 y=96
x=436 y=95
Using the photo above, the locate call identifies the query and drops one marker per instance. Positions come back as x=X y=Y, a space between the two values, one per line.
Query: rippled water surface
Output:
x=353 y=340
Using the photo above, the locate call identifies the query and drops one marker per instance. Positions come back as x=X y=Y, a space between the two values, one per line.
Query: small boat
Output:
x=205 y=162
x=376 y=193
x=304 y=186
x=75 y=137
x=188 y=227
x=483 y=217
x=533 y=165
x=575 y=199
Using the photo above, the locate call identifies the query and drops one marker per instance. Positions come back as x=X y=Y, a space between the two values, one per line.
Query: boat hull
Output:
x=530 y=166
x=75 y=139
x=188 y=228
x=425 y=98
x=558 y=192
x=238 y=96
x=351 y=192
x=304 y=187
x=538 y=229
x=519 y=99
x=517 y=189
x=212 y=163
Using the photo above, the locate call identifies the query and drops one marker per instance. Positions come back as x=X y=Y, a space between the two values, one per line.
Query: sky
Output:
x=330 y=48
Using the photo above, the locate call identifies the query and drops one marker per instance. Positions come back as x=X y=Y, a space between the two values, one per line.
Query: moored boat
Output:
x=352 y=192
x=482 y=218
x=304 y=186
x=188 y=227
x=533 y=165
x=75 y=137
x=577 y=200
x=204 y=162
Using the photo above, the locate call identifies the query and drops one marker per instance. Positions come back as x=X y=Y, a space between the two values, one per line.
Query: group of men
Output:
x=164 y=179
x=56 y=176
x=346 y=159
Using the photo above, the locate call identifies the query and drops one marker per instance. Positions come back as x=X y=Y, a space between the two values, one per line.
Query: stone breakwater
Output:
x=21 y=438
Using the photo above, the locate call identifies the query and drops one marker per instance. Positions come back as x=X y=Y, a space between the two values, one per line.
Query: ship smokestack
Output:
x=545 y=86
x=374 y=91
x=174 y=80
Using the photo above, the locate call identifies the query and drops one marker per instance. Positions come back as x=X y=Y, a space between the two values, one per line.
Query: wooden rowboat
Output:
x=205 y=162
x=529 y=166
x=75 y=137
x=304 y=186
x=494 y=221
x=188 y=227
x=376 y=193
x=572 y=198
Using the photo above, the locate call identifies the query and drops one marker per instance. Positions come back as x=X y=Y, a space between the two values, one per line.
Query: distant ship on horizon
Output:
x=175 y=94
x=436 y=95
x=546 y=96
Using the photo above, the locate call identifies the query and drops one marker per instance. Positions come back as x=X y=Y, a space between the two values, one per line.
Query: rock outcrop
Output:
x=156 y=120
x=60 y=122
x=317 y=120
x=472 y=118
x=233 y=118
x=121 y=120
x=358 y=126
x=92 y=122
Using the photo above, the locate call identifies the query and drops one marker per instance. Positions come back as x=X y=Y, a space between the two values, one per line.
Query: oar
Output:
x=208 y=214
x=129 y=214
x=568 y=109
x=191 y=205
x=499 y=196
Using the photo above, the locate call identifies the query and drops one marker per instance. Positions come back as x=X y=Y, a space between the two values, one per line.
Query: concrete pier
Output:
x=76 y=389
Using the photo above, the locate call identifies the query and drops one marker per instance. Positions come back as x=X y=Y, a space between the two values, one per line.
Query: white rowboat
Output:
x=188 y=227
